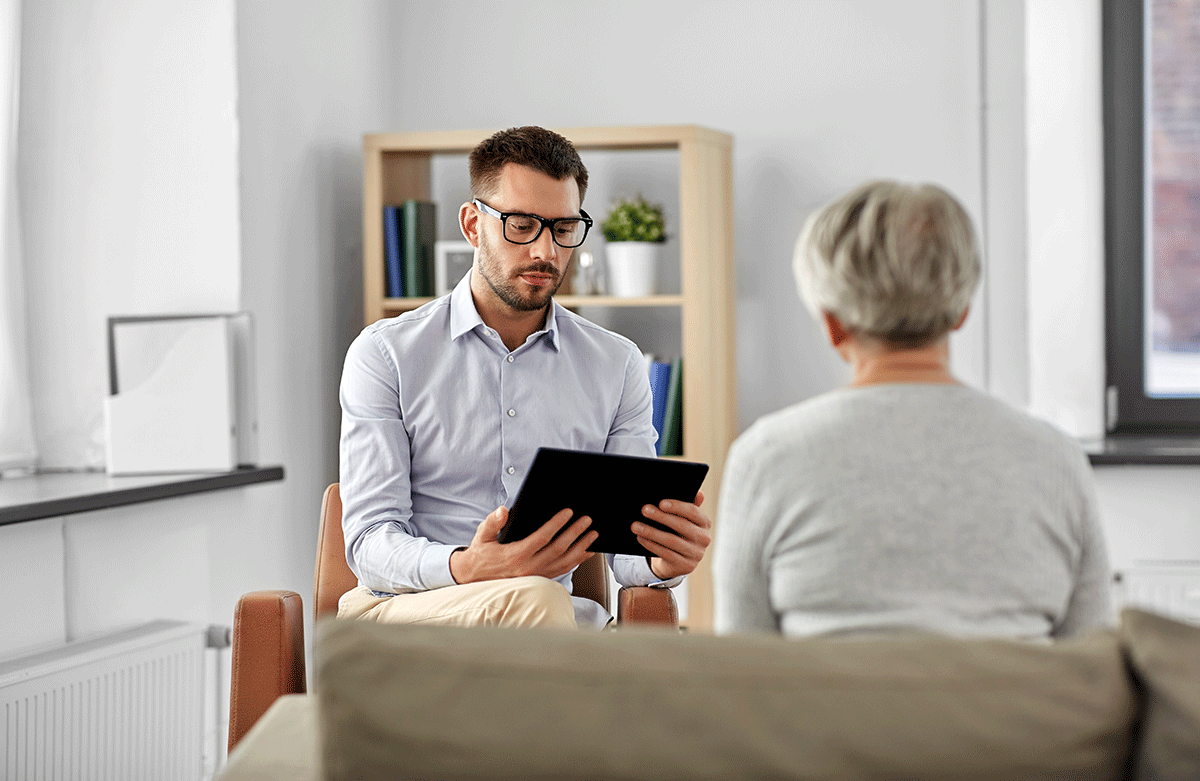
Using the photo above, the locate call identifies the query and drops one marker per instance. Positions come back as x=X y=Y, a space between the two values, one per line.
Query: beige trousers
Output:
x=511 y=602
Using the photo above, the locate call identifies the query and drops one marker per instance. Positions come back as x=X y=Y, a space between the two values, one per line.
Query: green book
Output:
x=673 y=415
x=419 y=228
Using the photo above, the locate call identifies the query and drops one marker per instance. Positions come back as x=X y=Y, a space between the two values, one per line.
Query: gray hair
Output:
x=892 y=261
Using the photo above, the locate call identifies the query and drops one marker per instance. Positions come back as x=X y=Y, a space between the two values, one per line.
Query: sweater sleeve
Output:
x=741 y=586
x=1090 y=606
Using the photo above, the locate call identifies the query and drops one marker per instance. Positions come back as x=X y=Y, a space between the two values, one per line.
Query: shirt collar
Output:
x=464 y=317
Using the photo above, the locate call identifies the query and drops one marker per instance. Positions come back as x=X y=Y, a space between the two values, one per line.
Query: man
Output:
x=444 y=407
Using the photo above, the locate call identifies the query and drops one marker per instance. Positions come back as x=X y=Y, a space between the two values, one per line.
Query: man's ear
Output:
x=468 y=223
x=835 y=332
x=962 y=319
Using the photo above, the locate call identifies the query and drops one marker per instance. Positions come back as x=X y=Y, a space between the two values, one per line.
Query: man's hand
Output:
x=678 y=553
x=541 y=553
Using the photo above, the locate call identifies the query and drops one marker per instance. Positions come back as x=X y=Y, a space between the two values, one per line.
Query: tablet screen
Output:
x=609 y=488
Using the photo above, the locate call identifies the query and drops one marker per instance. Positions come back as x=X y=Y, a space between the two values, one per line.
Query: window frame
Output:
x=1128 y=409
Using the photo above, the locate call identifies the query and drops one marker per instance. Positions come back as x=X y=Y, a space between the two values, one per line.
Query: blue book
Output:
x=660 y=377
x=393 y=266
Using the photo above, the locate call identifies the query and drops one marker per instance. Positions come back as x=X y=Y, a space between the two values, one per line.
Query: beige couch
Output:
x=441 y=703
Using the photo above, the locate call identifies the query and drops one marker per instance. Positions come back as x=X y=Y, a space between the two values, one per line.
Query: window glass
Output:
x=1173 y=192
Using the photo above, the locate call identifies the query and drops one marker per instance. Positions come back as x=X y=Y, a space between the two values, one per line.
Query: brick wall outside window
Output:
x=1175 y=158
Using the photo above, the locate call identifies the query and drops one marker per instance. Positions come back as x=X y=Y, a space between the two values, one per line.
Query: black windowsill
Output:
x=1148 y=450
x=51 y=494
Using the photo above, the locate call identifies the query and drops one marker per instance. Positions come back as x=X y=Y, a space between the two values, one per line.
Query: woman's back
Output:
x=908 y=507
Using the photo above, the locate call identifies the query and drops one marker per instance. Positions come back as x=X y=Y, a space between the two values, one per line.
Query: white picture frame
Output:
x=452 y=260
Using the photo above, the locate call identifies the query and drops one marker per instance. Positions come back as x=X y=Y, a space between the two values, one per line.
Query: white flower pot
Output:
x=632 y=268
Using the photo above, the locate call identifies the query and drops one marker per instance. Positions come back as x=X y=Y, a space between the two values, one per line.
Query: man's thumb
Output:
x=492 y=524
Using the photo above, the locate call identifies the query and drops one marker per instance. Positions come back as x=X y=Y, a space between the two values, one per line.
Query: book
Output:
x=673 y=413
x=393 y=275
x=418 y=231
x=660 y=376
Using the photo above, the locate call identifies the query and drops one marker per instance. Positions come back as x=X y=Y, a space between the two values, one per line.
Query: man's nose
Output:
x=543 y=247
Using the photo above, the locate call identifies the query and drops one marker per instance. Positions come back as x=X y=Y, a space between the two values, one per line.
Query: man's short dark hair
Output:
x=536 y=147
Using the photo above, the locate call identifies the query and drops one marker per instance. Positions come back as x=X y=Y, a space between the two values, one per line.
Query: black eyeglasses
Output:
x=567 y=232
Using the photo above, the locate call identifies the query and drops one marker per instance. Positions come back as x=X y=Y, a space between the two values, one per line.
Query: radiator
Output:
x=126 y=706
x=1170 y=588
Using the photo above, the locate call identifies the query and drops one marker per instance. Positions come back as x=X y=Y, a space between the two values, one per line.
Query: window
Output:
x=1152 y=214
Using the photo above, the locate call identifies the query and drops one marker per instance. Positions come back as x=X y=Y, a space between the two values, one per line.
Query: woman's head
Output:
x=894 y=262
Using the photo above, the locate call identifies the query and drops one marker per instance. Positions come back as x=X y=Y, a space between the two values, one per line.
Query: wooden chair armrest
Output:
x=267 y=657
x=645 y=605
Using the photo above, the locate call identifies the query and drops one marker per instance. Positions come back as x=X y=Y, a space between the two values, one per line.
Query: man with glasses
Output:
x=444 y=407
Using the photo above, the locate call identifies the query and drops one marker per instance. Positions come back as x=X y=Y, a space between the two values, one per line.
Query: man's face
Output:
x=524 y=276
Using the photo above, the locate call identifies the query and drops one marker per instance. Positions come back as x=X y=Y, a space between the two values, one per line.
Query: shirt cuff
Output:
x=647 y=576
x=435 y=566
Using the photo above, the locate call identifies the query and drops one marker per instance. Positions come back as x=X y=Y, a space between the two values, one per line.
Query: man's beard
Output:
x=507 y=289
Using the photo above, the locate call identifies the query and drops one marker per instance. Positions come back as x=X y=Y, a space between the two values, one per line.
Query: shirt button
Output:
x=512 y=413
x=511 y=470
x=510 y=359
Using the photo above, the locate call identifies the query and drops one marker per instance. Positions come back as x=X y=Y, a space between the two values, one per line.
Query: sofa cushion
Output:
x=1166 y=658
x=453 y=703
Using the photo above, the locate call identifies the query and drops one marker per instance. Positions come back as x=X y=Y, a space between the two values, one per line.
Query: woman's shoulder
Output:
x=847 y=415
x=1021 y=422
x=806 y=421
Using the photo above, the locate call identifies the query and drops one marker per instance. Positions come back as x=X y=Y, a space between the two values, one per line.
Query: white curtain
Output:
x=16 y=422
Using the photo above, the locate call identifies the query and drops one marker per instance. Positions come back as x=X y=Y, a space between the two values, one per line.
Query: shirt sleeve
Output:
x=741 y=582
x=1091 y=605
x=635 y=571
x=632 y=434
x=382 y=548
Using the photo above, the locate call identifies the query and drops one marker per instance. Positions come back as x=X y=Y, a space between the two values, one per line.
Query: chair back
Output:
x=334 y=578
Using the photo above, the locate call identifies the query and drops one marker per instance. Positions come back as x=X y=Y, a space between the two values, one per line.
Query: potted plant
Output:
x=634 y=229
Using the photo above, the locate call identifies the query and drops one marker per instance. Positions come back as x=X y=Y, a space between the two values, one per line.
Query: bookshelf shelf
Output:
x=398 y=166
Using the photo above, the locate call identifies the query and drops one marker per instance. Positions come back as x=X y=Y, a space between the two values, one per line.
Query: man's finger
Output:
x=670 y=555
x=575 y=555
x=547 y=531
x=570 y=535
x=491 y=526
x=689 y=528
x=667 y=541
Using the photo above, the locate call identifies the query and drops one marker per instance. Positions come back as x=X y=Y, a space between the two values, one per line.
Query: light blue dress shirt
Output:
x=440 y=423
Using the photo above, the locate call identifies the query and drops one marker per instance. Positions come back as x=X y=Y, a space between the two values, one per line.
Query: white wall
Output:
x=129 y=197
x=139 y=196
x=1065 y=215
x=129 y=191
x=312 y=78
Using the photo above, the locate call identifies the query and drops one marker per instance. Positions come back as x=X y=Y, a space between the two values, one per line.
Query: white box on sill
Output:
x=182 y=394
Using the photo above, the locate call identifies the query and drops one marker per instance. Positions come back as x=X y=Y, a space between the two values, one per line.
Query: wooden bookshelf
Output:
x=397 y=166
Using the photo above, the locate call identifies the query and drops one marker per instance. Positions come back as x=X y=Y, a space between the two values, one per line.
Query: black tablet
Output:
x=611 y=489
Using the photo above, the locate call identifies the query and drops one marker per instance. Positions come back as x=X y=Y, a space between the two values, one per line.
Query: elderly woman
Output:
x=906 y=501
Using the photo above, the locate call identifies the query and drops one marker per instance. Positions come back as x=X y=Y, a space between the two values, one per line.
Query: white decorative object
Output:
x=632 y=268
x=588 y=275
x=182 y=394
x=452 y=261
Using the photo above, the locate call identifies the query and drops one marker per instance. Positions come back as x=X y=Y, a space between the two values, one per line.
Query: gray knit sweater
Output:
x=905 y=507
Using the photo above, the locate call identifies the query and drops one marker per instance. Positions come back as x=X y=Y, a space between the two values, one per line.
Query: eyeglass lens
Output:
x=523 y=229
